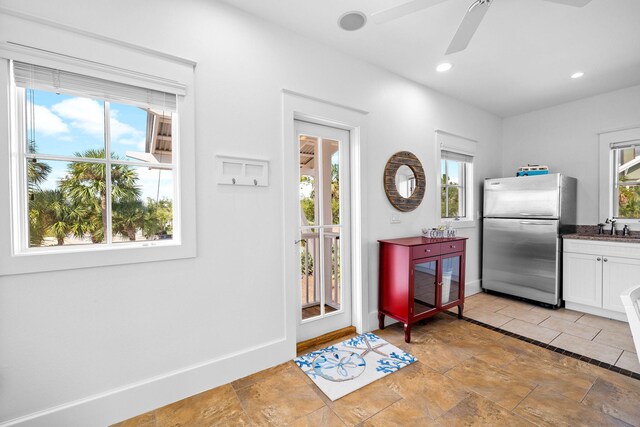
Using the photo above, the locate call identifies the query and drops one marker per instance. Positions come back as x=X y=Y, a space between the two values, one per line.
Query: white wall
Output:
x=565 y=138
x=67 y=336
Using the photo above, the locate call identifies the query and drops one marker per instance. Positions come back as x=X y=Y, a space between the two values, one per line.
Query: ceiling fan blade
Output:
x=576 y=3
x=468 y=26
x=401 y=10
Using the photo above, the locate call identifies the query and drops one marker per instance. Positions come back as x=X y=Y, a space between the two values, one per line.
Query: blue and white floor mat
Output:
x=345 y=367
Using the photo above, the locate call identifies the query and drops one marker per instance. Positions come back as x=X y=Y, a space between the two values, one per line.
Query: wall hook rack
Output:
x=242 y=171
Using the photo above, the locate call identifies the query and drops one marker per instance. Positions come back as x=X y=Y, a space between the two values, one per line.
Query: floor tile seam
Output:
x=596 y=334
x=511 y=411
x=610 y=415
x=568 y=333
x=244 y=410
x=615 y=347
x=468 y=396
x=599 y=363
x=334 y=412
x=587 y=393
x=618 y=359
x=313 y=412
x=533 y=324
x=376 y=413
x=524 y=319
x=522 y=400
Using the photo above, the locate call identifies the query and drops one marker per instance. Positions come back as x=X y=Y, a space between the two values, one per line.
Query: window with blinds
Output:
x=453 y=184
x=97 y=159
x=626 y=179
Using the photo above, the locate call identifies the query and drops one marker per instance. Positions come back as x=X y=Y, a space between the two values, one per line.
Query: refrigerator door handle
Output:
x=537 y=223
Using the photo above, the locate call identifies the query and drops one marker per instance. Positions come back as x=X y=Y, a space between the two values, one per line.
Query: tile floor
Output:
x=607 y=340
x=466 y=375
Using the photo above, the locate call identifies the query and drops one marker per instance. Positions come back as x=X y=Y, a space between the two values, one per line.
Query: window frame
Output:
x=456 y=144
x=177 y=77
x=609 y=141
x=20 y=181
x=462 y=197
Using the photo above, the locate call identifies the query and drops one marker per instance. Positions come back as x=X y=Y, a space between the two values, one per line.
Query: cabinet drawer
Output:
x=447 y=248
x=424 y=251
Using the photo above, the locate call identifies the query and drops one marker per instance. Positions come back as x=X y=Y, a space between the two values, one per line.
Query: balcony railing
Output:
x=310 y=265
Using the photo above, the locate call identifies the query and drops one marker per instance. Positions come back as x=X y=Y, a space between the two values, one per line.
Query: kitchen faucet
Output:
x=613 y=225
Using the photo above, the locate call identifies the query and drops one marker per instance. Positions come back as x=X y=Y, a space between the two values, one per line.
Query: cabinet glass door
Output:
x=425 y=278
x=451 y=279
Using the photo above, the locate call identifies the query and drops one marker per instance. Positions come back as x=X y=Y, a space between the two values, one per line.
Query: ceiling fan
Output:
x=469 y=24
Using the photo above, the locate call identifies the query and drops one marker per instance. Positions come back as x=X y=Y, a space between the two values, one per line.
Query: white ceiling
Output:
x=520 y=59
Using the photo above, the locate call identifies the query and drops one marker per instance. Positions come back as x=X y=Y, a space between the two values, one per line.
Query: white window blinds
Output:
x=60 y=81
x=459 y=157
x=454 y=143
x=625 y=144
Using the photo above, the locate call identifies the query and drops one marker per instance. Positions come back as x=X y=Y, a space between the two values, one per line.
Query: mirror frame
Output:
x=404 y=204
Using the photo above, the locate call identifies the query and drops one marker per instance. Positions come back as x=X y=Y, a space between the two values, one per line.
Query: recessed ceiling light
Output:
x=577 y=75
x=352 y=21
x=445 y=66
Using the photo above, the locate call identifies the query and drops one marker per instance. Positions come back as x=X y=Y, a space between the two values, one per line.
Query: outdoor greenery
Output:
x=629 y=201
x=307 y=204
x=78 y=206
x=452 y=196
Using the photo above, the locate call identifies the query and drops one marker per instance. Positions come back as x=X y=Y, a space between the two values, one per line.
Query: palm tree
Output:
x=86 y=185
x=51 y=214
x=128 y=217
x=37 y=173
x=66 y=218
x=158 y=218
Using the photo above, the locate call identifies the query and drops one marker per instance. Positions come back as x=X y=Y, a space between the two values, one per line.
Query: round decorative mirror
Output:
x=404 y=181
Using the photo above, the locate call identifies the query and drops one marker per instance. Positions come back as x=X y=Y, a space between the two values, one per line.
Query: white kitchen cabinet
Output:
x=582 y=279
x=595 y=273
x=618 y=275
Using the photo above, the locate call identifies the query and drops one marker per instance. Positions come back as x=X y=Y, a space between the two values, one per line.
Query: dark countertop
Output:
x=603 y=237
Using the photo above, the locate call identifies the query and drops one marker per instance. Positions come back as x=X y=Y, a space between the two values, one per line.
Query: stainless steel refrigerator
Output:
x=524 y=218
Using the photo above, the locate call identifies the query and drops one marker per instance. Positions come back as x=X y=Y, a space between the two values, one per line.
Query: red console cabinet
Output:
x=420 y=277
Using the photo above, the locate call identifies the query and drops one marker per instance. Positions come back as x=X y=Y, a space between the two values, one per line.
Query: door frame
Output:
x=297 y=106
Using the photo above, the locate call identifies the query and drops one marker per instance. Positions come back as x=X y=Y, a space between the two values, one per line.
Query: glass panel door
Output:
x=425 y=278
x=451 y=279
x=324 y=215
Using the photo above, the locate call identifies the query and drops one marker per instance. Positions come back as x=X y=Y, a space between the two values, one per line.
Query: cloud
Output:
x=122 y=131
x=82 y=113
x=87 y=115
x=46 y=122
x=138 y=143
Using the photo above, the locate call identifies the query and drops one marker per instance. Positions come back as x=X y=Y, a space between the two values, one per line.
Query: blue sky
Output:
x=65 y=125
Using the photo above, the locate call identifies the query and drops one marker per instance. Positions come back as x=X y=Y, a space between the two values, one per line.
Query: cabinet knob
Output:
x=598 y=259
x=605 y=260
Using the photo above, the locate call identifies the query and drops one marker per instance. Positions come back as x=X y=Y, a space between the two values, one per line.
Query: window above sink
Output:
x=620 y=176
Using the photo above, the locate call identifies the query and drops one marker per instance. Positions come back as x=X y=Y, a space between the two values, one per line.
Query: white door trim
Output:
x=313 y=109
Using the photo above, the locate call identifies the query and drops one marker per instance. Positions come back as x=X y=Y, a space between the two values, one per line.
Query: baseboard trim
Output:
x=597 y=311
x=322 y=339
x=137 y=398
x=472 y=288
